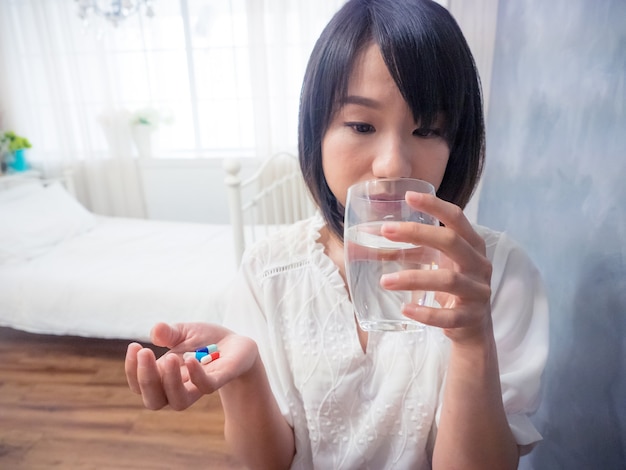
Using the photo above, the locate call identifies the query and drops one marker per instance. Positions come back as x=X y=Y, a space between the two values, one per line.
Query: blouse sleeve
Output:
x=520 y=320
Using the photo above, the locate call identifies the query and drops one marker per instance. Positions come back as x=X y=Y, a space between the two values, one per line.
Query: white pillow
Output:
x=23 y=189
x=35 y=223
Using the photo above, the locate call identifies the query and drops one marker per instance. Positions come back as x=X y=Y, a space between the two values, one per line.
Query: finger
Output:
x=130 y=366
x=458 y=327
x=202 y=376
x=166 y=335
x=449 y=214
x=179 y=396
x=182 y=337
x=149 y=380
x=438 y=317
x=441 y=280
x=444 y=239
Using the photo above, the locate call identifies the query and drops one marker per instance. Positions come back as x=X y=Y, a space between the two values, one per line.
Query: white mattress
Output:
x=119 y=279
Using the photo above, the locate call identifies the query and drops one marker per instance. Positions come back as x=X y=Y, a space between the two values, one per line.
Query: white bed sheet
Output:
x=120 y=278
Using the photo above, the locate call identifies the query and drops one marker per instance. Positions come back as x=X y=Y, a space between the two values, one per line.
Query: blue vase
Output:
x=18 y=161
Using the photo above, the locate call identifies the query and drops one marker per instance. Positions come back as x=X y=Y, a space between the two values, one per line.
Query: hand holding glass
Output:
x=369 y=255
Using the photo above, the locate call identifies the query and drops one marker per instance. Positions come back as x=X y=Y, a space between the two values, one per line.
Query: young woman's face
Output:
x=374 y=135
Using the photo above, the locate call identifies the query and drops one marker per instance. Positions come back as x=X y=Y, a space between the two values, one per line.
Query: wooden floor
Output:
x=64 y=403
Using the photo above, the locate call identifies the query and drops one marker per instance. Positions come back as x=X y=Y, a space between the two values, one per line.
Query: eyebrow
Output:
x=362 y=101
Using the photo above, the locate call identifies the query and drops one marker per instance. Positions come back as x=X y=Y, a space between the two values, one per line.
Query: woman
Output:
x=391 y=90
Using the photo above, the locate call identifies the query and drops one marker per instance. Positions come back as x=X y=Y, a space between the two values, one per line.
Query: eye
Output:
x=360 y=127
x=427 y=132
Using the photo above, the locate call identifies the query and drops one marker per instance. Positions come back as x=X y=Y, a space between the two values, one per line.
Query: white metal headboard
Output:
x=275 y=195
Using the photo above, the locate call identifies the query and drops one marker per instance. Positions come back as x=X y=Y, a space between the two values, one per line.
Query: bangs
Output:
x=425 y=61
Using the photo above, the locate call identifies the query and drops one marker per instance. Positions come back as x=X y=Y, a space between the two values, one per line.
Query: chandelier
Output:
x=114 y=11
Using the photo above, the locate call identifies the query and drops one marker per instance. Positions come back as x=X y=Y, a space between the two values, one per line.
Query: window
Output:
x=228 y=72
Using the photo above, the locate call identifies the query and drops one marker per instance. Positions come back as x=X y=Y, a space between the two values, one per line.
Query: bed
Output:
x=67 y=271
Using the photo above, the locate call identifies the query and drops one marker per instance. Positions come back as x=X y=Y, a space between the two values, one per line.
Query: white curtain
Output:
x=72 y=89
x=285 y=32
x=63 y=90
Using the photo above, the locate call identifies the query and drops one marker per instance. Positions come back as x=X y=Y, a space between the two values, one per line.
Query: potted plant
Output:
x=144 y=123
x=15 y=146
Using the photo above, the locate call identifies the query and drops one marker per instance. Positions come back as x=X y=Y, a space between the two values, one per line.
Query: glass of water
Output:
x=369 y=255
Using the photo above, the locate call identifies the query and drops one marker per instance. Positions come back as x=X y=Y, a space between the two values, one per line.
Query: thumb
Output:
x=166 y=335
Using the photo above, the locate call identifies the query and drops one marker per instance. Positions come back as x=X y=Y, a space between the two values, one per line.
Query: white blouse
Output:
x=377 y=409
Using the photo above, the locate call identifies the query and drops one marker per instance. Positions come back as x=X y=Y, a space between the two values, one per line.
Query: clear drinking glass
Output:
x=369 y=255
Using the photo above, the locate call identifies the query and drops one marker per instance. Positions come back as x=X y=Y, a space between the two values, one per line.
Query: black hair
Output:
x=431 y=63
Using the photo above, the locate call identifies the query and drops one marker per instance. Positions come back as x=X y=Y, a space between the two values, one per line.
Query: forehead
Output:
x=369 y=73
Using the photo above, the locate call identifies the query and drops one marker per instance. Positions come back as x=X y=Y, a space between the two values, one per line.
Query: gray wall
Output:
x=556 y=180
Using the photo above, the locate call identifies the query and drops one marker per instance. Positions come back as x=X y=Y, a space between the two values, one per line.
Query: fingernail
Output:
x=389 y=279
x=391 y=227
x=408 y=309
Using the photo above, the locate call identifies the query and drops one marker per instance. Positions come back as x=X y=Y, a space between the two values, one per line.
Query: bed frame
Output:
x=274 y=195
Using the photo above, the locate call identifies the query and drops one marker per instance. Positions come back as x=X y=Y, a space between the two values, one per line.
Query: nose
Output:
x=393 y=160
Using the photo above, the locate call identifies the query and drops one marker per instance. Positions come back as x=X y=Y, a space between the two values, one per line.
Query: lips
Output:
x=386 y=207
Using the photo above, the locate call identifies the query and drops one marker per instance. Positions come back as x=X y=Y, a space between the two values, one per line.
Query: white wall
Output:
x=556 y=160
x=187 y=190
